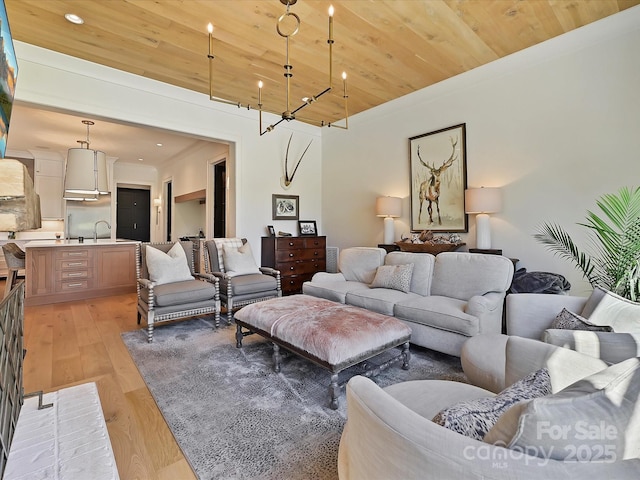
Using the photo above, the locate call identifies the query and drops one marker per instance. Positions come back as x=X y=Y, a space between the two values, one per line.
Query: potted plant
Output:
x=614 y=260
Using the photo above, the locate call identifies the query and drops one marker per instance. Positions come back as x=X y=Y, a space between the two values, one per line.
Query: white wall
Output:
x=87 y=88
x=556 y=126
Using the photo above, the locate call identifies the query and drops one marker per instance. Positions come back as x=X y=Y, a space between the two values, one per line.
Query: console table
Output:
x=297 y=258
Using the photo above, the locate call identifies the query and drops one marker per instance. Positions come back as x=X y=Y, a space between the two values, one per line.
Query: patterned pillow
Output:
x=396 y=277
x=567 y=320
x=475 y=418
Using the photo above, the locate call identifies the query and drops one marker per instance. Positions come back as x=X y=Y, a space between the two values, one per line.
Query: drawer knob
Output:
x=291 y=254
x=316 y=253
x=292 y=267
x=291 y=244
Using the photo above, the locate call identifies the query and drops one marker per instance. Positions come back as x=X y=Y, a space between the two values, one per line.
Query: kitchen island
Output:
x=66 y=270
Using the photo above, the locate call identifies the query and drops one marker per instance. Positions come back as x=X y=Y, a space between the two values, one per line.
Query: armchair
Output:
x=389 y=432
x=173 y=290
x=530 y=315
x=243 y=284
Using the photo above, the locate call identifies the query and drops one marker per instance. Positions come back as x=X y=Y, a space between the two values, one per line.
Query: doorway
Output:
x=133 y=218
x=219 y=199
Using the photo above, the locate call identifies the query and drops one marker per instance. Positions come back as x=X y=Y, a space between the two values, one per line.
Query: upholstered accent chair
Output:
x=169 y=288
x=242 y=282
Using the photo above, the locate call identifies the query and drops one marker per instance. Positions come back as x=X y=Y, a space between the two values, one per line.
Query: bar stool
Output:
x=14 y=257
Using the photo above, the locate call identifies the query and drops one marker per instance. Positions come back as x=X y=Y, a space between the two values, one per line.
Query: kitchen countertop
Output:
x=88 y=242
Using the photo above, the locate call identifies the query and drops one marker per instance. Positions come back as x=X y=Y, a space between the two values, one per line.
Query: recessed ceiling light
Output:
x=141 y=159
x=159 y=144
x=73 y=18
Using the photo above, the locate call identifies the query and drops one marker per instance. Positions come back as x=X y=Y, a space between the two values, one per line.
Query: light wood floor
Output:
x=77 y=342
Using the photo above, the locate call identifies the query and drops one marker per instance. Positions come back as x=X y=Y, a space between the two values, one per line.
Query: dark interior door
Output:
x=133 y=214
x=219 y=194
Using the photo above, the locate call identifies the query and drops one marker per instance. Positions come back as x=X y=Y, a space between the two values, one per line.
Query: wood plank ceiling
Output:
x=388 y=48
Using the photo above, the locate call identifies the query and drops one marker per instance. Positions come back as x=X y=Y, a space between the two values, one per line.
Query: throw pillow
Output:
x=609 y=309
x=396 y=277
x=239 y=261
x=167 y=267
x=595 y=419
x=475 y=418
x=567 y=320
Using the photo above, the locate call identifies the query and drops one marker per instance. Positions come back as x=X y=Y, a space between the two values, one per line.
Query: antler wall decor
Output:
x=286 y=179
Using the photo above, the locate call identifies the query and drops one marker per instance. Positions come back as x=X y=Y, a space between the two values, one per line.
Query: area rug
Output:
x=235 y=418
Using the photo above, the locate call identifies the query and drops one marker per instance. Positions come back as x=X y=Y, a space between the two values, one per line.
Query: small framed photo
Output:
x=285 y=207
x=307 y=228
x=271 y=231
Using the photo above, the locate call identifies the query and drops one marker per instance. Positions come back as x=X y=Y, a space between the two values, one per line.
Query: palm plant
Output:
x=614 y=260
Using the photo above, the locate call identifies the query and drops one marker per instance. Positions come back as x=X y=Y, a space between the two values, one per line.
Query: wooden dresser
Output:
x=297 y=258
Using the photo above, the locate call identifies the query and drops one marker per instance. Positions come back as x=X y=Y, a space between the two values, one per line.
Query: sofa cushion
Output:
x=439 y=312
x=567 y=320
x=381 y=300
x=359 y=264
x=335 y=291
x=239 y=260
x=167 y=267
x=476 y=417
x=594 y=419
x=422 y=269
x=251 y=283
x=180 y=293
x=463 y=275
x=608 y=309
x=395 y=277
x=608 y=346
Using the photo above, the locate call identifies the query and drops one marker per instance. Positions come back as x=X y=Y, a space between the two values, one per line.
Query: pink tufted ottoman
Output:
x=332 y=335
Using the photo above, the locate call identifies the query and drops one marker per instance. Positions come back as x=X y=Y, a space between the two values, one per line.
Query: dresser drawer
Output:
x=293 y=284
x=72 y=285
x=283 y=243
x=73 y=264
x=296 y=268
x=315 y=242
x=70 y=253
x=74 y=274
x=294 y=255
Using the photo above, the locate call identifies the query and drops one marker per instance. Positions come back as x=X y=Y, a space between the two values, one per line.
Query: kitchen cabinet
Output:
x=48 y=183
x=297 y=258
x=63 y=271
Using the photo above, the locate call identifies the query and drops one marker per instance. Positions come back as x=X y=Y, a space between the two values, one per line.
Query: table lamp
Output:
x=388 y=207
x=483 y=201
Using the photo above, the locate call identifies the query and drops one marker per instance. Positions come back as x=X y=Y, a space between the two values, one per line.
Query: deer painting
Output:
x=430 y=188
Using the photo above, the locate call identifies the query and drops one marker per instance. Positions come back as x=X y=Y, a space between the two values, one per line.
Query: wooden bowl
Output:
x=433 y=248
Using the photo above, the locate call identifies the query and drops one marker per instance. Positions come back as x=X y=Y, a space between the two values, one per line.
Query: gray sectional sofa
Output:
x=451 y=297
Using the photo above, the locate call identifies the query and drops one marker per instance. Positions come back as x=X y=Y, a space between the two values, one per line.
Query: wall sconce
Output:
x=482 y=201
x=388 y=207
x=157 y=202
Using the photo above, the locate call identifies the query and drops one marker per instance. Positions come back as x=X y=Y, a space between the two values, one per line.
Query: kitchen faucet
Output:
x=95 y=229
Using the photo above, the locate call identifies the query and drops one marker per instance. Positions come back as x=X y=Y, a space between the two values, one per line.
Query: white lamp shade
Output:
x=388 y=207
x=157 y=202
x=483 y=200
x=86 y=172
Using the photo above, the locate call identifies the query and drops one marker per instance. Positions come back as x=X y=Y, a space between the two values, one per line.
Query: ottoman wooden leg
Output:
x=334 y=391
x=239 y=336
x=406 y=356
x=276 y=357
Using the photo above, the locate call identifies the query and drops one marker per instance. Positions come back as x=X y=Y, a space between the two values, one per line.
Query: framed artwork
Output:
x=307 y=228
x=438 y=166
x=271 y=231
x=284 y=207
